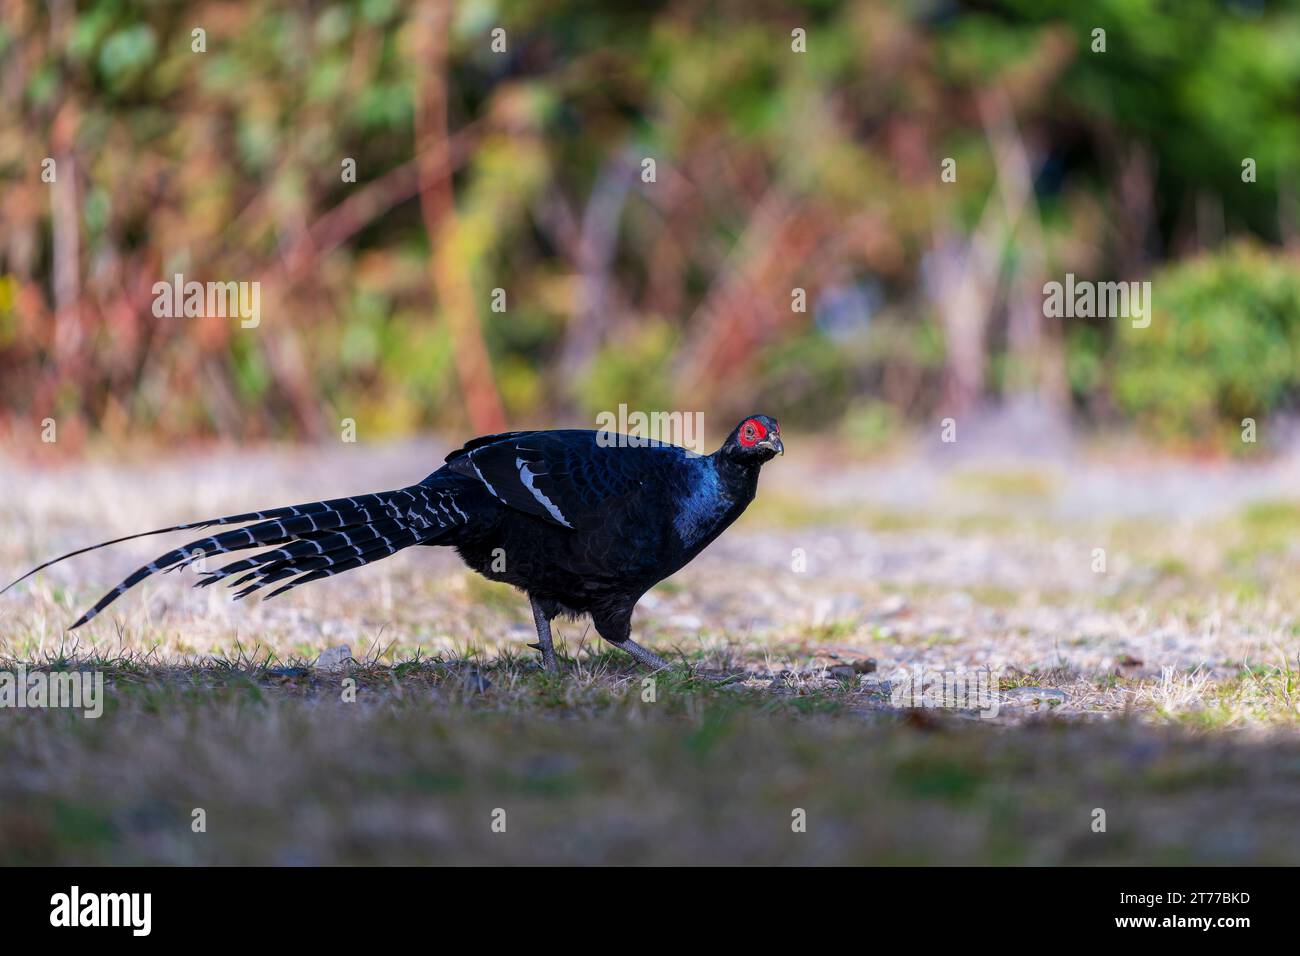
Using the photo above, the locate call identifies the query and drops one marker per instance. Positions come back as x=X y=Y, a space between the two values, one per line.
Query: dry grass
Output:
x=1163 y=690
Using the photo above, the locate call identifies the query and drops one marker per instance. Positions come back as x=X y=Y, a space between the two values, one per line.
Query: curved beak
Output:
x=773 y=442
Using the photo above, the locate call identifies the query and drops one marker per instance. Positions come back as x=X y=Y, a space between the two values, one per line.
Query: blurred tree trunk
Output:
x=65 y=222
x=748 y=302
x=448 y=269
x=597 y=243
x=958 y=285
x=1036 y=353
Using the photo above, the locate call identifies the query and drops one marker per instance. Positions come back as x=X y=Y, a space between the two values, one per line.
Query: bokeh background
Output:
x=522 y=171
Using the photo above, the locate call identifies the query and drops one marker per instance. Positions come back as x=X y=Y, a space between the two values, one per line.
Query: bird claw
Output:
x=536 y=647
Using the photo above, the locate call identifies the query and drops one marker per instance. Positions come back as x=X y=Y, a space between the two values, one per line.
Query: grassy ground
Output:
x=1160 y=689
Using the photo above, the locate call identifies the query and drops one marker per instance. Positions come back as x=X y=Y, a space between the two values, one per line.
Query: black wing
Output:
x=482 y=440
x=565 y=477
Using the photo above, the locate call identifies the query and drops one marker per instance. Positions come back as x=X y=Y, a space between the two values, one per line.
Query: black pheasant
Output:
x=583 y=522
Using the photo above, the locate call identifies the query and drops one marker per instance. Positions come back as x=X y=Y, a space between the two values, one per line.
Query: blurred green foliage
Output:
x=775 y=170
x=1223 y=346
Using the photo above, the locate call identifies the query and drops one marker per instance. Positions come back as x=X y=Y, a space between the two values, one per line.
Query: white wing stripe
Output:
x=484 y=480
x=526 y=477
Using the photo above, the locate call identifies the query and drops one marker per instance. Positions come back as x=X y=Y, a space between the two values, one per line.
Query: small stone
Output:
x=867 y=666
x=1033 y=698
x=891 y=606
x=843 y=672
x=878 y=689
x=333 y=658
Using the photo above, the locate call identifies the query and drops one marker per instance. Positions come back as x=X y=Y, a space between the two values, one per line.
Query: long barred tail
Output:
x=316 y=540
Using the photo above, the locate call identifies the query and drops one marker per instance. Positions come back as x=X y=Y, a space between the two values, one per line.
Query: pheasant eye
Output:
x=751 y=432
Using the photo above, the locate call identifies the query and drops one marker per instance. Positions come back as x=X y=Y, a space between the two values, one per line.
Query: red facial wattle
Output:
x=752 y=432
